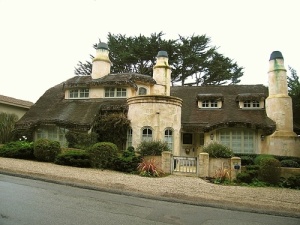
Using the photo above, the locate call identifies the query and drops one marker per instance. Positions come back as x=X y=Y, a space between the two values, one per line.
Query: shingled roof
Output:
x=79 y=114
x=15 y=102
x=230 y=115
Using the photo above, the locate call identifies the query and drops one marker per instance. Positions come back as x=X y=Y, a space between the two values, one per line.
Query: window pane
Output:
x=187 y=138
x=169 y=138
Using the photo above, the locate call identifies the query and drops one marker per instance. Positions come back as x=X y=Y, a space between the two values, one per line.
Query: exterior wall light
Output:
x=262 y=137
x=211 y=136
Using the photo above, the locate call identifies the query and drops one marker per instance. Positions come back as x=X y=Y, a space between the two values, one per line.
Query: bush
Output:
x=217 y=150
x=152 y=148
x=269 y=170
x=259 y=158
x=17 y=149
x=247 y=160
x=289 y=163
x=46 y=150
x=128 y=161
x=246 y=176
x=292 y=182
x=103 y=155
x=77 y=158
x=80 y=140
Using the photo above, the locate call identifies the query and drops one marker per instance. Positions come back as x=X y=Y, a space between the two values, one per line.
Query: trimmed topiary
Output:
x=259 y=158
x=103 y=155
x=17 y=149
x=77 y=158
x=46 y=150
x=217 y=150
x=289 y=163
x=152 y=148
x=269 y=170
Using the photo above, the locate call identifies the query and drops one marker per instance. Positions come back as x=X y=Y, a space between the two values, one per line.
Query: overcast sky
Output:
x=42 y=41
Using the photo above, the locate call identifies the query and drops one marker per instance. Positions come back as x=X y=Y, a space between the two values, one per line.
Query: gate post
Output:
x=203 y=164
x=235 y=167
x=166 y=163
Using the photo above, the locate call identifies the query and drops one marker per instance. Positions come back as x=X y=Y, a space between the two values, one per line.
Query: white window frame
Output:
x=129 y=137
x=209 y=104
x=79 y=93
x=112 y=92
x=53 y=133
x=169 y=137
x=147 y=134
x=251 y=104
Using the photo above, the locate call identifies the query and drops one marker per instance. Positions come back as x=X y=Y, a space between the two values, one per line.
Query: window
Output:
x=251 y=104
x=129 y=137
x=52 y=133
x=209 y=104
x=147 y=134
x=169 y=137
x=239 y=140
x=187 y=138
x=115 y=92
x=142 y=91
x=79 y=93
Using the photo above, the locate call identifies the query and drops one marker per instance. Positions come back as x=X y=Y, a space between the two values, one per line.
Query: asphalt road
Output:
x=35 y=202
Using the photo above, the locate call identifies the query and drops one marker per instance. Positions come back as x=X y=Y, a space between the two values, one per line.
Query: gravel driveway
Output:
x=192 y=190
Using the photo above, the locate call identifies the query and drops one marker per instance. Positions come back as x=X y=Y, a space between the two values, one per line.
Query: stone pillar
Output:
x=203 y=165
x=166 y=162
x=235 y=167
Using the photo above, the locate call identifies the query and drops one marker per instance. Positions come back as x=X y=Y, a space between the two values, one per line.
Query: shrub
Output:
x=217 y=150
x=147 y=168
x=292 y=182
x=259 y=158
x=247 y=160
x=152 y=148
x=269 y=170
x=77 y=158
x=103 y=155
x=289 y=163
x=17 y=149
x=128 y=161
x=221 y=175
x=80 y=140
x=246 y=176
x=46 y=150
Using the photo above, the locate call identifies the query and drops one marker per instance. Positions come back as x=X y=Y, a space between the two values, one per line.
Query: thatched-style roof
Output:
x=230 y=115
x=251 y=96
x=122 y=79
x=52 y=108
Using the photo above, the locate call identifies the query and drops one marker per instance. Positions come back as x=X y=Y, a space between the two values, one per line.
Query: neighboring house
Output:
x=14 y=106
x=248 y=118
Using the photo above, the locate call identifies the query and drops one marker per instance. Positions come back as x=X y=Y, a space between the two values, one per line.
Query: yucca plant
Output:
x=147 y=168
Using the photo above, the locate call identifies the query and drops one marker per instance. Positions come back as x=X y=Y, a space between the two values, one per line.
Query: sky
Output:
x=41 y=41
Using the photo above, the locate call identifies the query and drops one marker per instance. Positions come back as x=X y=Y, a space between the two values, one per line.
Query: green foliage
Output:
x=269 y=170
x=148 y=168
x=292 y=182
x=112 y=127
x=217 y=150
x=289 y=163
x=247 y=176
x=17 y=149
x=7 y=124
x=259 y=158
x=103 y=155
x=222 y=175
x=128 y=161
x=190 y=57
x=46 y=150
x=76 y=158
x=152 y=148
x=246 y=159
x=80 y=140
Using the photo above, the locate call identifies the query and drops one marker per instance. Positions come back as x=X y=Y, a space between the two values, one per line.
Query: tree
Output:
x=7 y=124
x=193 y=60
x=294 y=92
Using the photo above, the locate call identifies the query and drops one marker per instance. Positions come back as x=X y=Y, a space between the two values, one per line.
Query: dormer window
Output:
x=79 y=93
x=251 y=100
x=112 y=92
x=210 y=101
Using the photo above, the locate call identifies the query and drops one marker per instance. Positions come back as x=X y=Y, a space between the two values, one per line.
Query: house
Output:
x=14 y=106
x=248 y=118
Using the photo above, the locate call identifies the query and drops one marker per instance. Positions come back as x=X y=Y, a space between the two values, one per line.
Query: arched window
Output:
x=142 y=91
x=169 y=137
x=147 y=134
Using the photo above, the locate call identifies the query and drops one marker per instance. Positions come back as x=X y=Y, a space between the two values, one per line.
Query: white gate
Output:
x=184 y=164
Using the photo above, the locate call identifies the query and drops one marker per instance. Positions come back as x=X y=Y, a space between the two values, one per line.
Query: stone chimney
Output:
x=101 y=62
x=279 y=103
x=162 y=74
